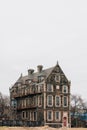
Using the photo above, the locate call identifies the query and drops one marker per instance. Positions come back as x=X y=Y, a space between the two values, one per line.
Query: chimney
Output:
x=30 y=71
x=39 y=68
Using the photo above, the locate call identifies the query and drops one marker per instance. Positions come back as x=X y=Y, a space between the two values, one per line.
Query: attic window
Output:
x=29 y=81
x=57 y=78
x=19 y=84
x=40 y=78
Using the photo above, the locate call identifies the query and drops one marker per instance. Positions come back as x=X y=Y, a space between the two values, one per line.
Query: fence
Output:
x=20 y=123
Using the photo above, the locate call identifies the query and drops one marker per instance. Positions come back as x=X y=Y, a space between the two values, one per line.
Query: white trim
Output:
x=51 y=115
x=51 y=87
x=23 y=114
x=59 y=116
x=57 y=78
x=26 y=114
x=66 y=87
x=59 y=101
x=48 y=99
x=67 y=101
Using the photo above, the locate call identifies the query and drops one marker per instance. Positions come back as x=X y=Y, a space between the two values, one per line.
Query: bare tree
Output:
x=4 y=105
x=78 y=106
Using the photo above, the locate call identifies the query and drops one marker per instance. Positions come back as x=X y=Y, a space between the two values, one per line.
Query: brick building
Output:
x=42 y=97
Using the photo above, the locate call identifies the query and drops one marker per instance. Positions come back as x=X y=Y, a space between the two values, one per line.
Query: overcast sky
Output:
x=34 y=32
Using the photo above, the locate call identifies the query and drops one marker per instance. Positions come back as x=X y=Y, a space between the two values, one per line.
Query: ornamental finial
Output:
x=57 y=62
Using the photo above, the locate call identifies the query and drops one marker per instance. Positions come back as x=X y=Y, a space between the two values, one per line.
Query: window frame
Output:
x=23 y=114
x=49 y=101
x=51 y=115
x=57 y=78
x=35 y=116
x=65 y=86
x=49 y=87
x=66 y=101
x=59 y=101
x=58 y=116
x=40 y=96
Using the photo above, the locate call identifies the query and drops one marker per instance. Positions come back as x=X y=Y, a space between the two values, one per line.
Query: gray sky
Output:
x=36 y=32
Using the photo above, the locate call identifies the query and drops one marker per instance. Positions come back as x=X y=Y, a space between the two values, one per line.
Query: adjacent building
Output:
x=42 y=97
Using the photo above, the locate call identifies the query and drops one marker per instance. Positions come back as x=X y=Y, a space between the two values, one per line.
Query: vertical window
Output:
x=35 y=116
x=57 y=101
x=65 y=101
x=65 y=89
x=50 y=100
x=40 y=88
x=49 y=115
x=30 y=116
x=49 y=87
x=57 y=115
x=40 y=100
x=26 y=114
x=57 y=78
x=23 y=114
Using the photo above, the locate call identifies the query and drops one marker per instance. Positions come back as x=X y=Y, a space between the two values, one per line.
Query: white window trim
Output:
x=67 y=101
x=51 y=88
x=52 y=115
x=27 y=115
x=59 y=116
x=40 y=87
x=52 y=101
x=66 y=89
x=59 y=101
x=57 y=80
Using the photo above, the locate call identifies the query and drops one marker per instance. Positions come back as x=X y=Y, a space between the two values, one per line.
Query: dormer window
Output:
x=19 y=84
x=40 y=78
x=29 y=81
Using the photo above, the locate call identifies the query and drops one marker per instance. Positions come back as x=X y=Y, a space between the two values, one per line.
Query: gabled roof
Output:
x=35 y=75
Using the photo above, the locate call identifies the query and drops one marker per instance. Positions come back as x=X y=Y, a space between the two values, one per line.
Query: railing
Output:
x=15 y=95
x=26 y=107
